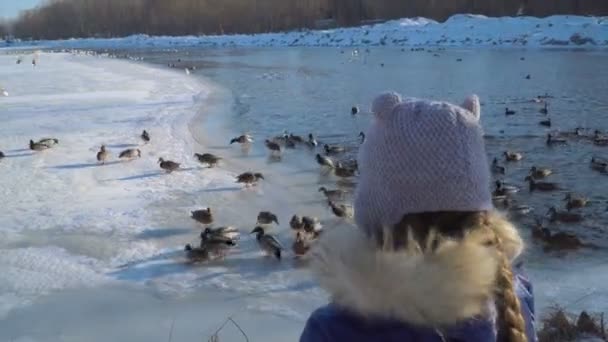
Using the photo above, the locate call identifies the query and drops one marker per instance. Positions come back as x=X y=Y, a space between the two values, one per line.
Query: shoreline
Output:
x=462 y=30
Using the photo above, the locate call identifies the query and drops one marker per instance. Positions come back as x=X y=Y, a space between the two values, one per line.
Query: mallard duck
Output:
x=502 y=189
x=225 y=234
x=168 y=165
x=266 y=217
x=539 y=172
x=296 y=138
x=196 y=254
x=268 y=243
x=552 y=140
x=331 y=150
x=145 y=136
x=242 y=139
x=541 y=186
x=539 y=231
x=207 y=158
x=545 y=109
x=332 y=194
x=38 y=146
x=312 y=142
x=249 y=178
x=509 y=111
x=272 y=146
x=300 y=245
x=362 y=137
x=344 y=172
x=575 y=202
x=130 y=154
x=512 y=156
x=563 y=216
x=103 y=155
x=546 y=123
x=50 y=142
x=599 y=165
x=497 y=169
x=520 y=210
x=204 y=216
x=2 y=155
x=296 y=222
x=324 y=161
x=339 y=210
x=312 y=225
x=354 y=110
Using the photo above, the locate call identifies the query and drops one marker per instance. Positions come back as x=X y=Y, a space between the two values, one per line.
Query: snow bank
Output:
x=459 y=30
x=65 y=220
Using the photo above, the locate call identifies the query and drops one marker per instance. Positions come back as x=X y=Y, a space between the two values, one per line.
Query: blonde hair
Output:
x=428 y=230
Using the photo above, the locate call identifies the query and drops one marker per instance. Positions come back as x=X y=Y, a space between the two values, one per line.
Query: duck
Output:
x=242 y=139
x=600 y=140
x=273 y=146
x=545 y=109
x=599 y=165
x=509 y=111
x=513 y=156
x=312 y=142
x=563 y=216
x=331 y=150
x=339 y=210
x=196 y=254
x=497 y=169
x=324 y=161
x=103 y=154
x=50 y=142
x=551 y=140
x=225 y=234
x=541 y=186
x=289 y=143
x=575 y=202
x=249 y=178
x=332 y=194
x=266 y=217
x=312 y=225
x=562 y=241
x=130 y=154
x=301 y=245
x=344 y=172
x=145 y=136
x=267 y=242
x=502 y=189
x=296 y=138
x=204 y=216
x=209 y=159
x=362 y=137
x=36 y=146
x=354 y=110
x=546 y=123
x=528 y=76
x=168 y=165
x=520 y=210
x=296 y=223
x=540 y=172
x=2 y=156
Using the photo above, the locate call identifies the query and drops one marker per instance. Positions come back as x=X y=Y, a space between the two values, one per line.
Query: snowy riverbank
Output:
x=458 y=31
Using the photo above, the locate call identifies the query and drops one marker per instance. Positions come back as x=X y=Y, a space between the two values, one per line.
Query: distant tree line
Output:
x=113 y=18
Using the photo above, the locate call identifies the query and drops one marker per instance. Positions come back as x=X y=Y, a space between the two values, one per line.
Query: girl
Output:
x=431 y=260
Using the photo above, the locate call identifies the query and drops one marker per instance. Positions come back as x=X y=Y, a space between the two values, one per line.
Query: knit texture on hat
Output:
x=421 y=156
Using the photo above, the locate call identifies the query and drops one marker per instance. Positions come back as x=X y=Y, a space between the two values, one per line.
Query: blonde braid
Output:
x=511 y=324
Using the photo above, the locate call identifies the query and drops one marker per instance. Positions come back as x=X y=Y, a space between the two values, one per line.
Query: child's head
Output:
x=424 y=189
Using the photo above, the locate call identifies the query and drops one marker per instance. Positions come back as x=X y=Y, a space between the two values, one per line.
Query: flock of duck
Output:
x=537 y=181
x=216 y=242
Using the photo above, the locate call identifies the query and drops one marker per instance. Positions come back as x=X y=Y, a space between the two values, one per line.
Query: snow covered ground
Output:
x=459 y=30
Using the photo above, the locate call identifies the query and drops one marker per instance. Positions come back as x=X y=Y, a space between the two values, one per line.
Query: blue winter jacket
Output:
x=379 y=296
x=332 y=324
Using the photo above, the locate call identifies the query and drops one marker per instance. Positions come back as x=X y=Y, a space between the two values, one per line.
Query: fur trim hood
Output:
x=453 y=283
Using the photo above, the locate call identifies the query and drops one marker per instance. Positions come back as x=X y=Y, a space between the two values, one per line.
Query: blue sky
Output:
x=10 y=8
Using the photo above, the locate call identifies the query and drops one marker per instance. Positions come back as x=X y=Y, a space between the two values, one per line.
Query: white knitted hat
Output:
x=421 y=156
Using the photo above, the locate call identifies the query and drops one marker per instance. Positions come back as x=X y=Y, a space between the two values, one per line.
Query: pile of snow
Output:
x=459 y=30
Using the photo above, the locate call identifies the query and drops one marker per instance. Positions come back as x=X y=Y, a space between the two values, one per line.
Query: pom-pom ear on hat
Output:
x=471 y=103
x=385 y=103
